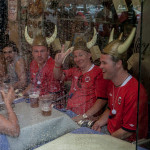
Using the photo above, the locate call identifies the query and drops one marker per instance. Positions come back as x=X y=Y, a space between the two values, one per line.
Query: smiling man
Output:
x=87 y=95
x=121 y=114
x=16 y=70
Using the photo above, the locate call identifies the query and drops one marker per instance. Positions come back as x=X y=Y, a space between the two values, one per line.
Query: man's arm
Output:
x=121 y=134
x=99 y=104
x=58 y=73
x=25 y=92
x=102 y=120
x=21 y=72
x=9 y=126
x=59 y=58
x=101 y=93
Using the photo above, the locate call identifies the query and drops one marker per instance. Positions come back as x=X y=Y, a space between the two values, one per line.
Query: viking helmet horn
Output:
x=52 y=38
x=93 y=41
x=49 y=40
x=123 y=47
x=27 y=37
x=71 y=50
x=120 y=36
x=111 y=37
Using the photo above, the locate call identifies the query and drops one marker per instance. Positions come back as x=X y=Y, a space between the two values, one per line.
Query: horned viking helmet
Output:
x=116 y=47
x=85 y=46
x=39 y=39
x=82 y=45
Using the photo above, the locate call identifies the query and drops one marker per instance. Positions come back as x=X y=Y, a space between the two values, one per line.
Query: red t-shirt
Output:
x=85 y=88
x=124 y=100
x=44 y=78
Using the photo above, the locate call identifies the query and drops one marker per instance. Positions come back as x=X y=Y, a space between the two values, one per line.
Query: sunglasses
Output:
x=79 y=83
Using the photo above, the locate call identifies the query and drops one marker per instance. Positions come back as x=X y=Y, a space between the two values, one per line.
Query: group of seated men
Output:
x=92 y=87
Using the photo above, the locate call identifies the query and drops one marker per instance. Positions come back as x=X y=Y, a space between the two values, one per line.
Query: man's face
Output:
x=8 y=54
x=108 y=67
x=40 y=54
x=81 y=58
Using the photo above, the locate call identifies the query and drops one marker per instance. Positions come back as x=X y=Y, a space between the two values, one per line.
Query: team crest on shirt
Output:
x=87 y=79
x=119 y=100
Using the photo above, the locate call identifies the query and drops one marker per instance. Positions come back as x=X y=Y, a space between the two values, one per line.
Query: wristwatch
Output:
x=84 y=116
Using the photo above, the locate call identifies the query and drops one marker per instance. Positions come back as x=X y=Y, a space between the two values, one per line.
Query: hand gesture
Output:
x=59 y=58
x=9 y=97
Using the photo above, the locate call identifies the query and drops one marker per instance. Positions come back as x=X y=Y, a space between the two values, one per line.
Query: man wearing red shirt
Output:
x=88 y=93
x=41 y=68
x=41 y=75
x=85 y=88
x=121 y=114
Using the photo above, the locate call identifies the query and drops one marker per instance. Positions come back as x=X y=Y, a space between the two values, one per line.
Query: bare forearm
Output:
x=13 y=126
x=121 y=134
x=11 y=115
x=20 y=69
x=104 y=117
x=58 y=72
x=20 y=84
x=9 y=125
x=25 y=92
x=102 y=121
x=99 y=104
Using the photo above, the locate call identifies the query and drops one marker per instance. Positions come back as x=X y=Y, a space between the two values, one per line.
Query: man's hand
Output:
x=102 y=121
x=9 y=97
x=97 y=126
x=77 y=118
x=10 y=124
x=61 y=56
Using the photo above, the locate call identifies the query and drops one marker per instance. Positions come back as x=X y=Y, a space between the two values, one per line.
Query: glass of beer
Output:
x=34 y=98
x=45 y=105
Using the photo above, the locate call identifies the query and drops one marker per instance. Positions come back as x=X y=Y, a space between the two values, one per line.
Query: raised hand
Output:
x=9 y=97
x=59 y=58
